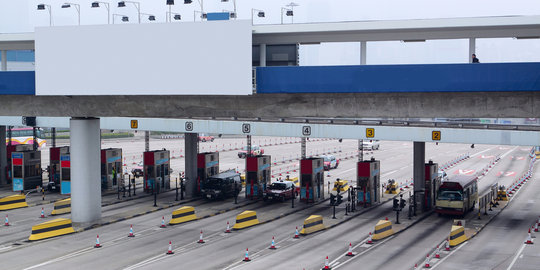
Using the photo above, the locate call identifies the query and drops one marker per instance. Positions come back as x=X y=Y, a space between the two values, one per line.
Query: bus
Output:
x=25 y=136
x=457 y=195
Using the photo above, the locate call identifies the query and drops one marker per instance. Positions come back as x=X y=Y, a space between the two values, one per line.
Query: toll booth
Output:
x=207 y=165
x=10 y=149
x=311 y=179
x=368 y=178
x=111 y=168
x=26 y=168
x=432 y=184
x=258 y=175
x=156 y=166
x=65 y=170
x=54 y=164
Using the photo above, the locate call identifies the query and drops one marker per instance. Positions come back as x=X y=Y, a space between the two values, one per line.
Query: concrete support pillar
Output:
x=3 y=157
x=262 y=57
x=472 y=48
x=53 y=137
x=85 y=169
x=190 y=140
x=360 y=150
x=4 y=60
x=147 y=141
x=303 y=148
x=363 y=52
x=419 y=157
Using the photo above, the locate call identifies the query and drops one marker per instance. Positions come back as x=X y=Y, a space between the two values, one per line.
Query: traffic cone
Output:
x=131 y=231
x=6 y=223
x=370 y=239
x=350 y=253
x=535 y=226
x=529 y=239
x=532 y=233
x=386 y=218
x=42 y=213
x=296 y=235
x=426 y=263
x=162 y=222
x=97 y=245
x=447 y=246
x=169 y=251
x=273 y=245
x=246 y=258
x=415 y=266
x=437 y=254
x=228 y=230
x=201 y=241
x=326 y=266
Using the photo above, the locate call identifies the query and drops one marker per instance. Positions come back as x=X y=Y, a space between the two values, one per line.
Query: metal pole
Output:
x=235 y=194
x=147 y=141
x=176 y=189
x=303 y=148
x=134 y=186
x=35 y=143
x=397 y=217
x=155 y=193
x=53 y=137
x=361 y=151
x=292 y=196
x=334 y=216
x=182 y=188
x=4 y=61
x=129 y=185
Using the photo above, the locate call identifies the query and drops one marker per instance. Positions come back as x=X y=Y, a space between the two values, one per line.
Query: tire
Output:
x=203 y=140
x=212 y=140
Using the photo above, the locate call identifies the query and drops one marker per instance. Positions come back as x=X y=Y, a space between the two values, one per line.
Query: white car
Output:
x=370 y=144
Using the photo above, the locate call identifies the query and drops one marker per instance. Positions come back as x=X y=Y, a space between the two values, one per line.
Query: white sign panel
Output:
x=199 y=58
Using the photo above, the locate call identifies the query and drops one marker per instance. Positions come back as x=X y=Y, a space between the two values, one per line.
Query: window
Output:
x=17 y=172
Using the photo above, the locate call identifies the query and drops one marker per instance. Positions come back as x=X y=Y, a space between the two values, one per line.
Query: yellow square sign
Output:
x=436 y=135
x=370 y=132
x=134 y=124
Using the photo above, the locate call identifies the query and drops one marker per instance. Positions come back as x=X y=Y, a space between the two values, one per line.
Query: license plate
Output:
x=270 y=197
x=209 y=196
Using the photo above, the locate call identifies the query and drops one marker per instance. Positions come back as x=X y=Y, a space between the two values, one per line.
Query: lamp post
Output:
x=291 y=5
x=289 y=12
x=168 y=14
x=150 y=16
x=96 y=5
x=136 y=4
x=48 y=7
x=203 y=15
x=201 y=2
x=77 y=7
x=260 y=14
x=234 y=7
x=124 y=17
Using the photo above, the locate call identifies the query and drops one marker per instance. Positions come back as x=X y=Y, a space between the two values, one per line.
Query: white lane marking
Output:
x=388 y=173
x=359 y=254
x=473 y=155
x=449 y=254
x=506 y=154
x=4 y=248
x=516 y=257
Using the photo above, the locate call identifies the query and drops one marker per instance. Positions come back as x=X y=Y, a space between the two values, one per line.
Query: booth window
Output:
x=17 y=171
x=65 y=174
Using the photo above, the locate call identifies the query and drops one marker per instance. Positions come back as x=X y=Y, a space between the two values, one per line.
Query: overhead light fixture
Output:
x=66 y=5
x=121 y=4
x=232 y=15
x=95 y=4
x=187 y=1
x=125 y=18
x=527 y=37
x=170 y=2
x=413 y=40
x=151 y=18
x=261 y=14
x=224 y=1
x=289 y=13
x=41 y=7
x=177 y=17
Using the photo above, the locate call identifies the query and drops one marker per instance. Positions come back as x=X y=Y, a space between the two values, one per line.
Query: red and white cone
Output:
x=273 y=245
x=296 y=235
x=131 y=231
x=529 y=239
x=97 y=245
x=350 y=253
x=536 y=226
x=169 y=251
x=415 y=266
x=228 y=230
x=162 y=222
x=6 y=223
x=42 y=213
x=246 y=257
x=447 y=245
x=437 y=253
x=426 y=263
x=326 y=265
x=370 y=239
x=201 y=241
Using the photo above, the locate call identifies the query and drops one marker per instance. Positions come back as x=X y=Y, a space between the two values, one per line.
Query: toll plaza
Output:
x=26 y=168
x=54 y=165
x=368 y=182
x=311 y=180
x=10 y=149
x=156 y=166
x=207 y=165
x=111 y=168
x=258 y=175
x=65 y=170
x=432 y=184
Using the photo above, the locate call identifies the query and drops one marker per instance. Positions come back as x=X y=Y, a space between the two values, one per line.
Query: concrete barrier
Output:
x=13 y=202
x=183 y=214
x=53 y=228
x=62 y=207
x=383 y=229
x=502 y=196
x=457 y=235
x=312 y=224
x=246 y=219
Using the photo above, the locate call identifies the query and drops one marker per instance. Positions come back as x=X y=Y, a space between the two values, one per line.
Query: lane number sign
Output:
x=189 y=126
x=436 y=135
x=134 y=124
x=246 y=128
x=306 y=130
x=370 y=132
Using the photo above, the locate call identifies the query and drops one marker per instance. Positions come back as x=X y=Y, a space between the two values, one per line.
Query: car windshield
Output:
x=452 y=195
x=326 y=159
x=213 y=183
x=253 y=147
x=278 y=186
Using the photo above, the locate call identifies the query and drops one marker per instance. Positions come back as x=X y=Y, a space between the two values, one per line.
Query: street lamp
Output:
x=77 y=7
x=169 y=3
x=96 y=5
x=43 y=7
x=203 y=15
x=234 y=5
x=260 y=14
x=289 y=11
x=136 y=4
x=124 y=17
x=176 y=16
x=200 y=3
x=150 y=16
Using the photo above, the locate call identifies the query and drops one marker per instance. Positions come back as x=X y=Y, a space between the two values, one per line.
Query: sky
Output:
x=22 y=16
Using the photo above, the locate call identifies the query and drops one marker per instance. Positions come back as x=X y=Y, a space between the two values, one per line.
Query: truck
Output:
x=221 y=186
x=255 y=151
x=370 y=144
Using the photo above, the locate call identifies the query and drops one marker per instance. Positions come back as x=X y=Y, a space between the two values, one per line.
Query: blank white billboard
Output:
x=199 y=58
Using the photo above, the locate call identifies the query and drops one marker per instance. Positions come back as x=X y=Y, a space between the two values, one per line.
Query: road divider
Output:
x=457 y=235
x=53 y=228
x=13 y=202
x=313 y=223
x=183 y=214
x=246 y=219
x=62 y=207
x=383 y=229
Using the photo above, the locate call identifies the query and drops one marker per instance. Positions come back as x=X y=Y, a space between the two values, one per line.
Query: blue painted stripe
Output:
x=113 y=159
x=217 y=16
x=17 y=83
x=161 y=161
x=211 y=163
x=263 y=167
x=65 y=157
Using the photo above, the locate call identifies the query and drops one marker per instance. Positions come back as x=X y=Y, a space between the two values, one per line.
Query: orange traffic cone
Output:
x=162 y=222
x=370 y=239
x=426 y=263
x=273 y=245
x=326 y=266
x=6 y=223
x=131 y=231
x=246 y=258
x=529 y=239
x=169 y=251
x=350 y=253
x=228 y=230
x=97 y=245
x=42 y=213
x=201 y=241
x=296 y=235
x=437 y=253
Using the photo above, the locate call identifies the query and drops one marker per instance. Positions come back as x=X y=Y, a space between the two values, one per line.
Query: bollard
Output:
x=42 y=194
x=181 y=189
x=118 y=191
x=334 y=216
x=123 y=189
x=134 y=186
x=235 y=194
x=176 y=189
x=129 y=185
x=292 y=197
x=346 y=209
x=155 y=194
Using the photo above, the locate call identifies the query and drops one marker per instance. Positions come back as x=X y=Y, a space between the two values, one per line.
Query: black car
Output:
x=221 y=186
